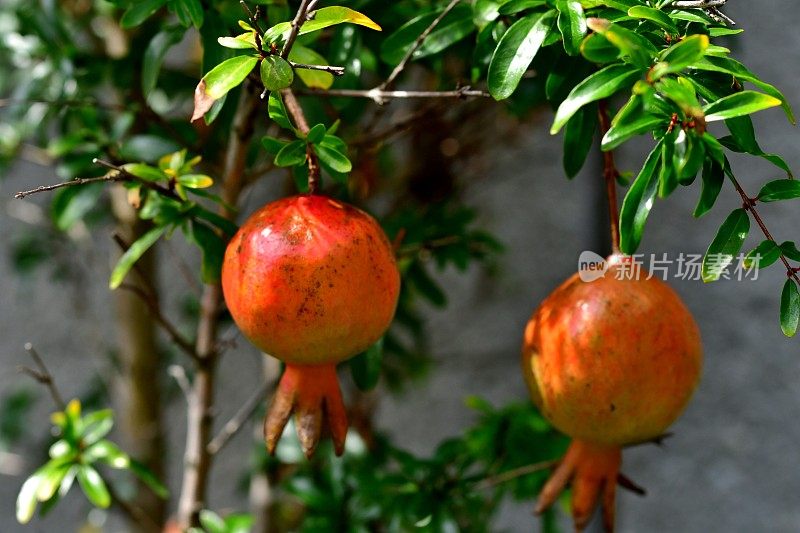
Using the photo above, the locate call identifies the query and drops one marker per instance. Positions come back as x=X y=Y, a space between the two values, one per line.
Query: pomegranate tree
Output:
x=313 y=282
x=610 y=363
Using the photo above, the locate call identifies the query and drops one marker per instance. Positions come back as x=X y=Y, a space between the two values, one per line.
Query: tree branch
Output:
x=749 y=204
x=299 y=19
x=296 y=112
x=232 y=427
x=336 y=71
x=380 y=96
x=610 y=174
x=414 y=47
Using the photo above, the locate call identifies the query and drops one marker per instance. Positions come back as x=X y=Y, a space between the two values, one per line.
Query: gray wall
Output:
x=732 y=464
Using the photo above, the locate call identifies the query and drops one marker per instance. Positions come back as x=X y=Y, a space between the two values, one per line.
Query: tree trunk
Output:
x=137 y=389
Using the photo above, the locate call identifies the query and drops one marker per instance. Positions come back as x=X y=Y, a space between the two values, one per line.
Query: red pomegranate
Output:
x=310 y=281
x=610 y=362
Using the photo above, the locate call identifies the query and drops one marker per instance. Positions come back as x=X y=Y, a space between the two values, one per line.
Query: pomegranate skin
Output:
x=612 y=361
x=310 y=280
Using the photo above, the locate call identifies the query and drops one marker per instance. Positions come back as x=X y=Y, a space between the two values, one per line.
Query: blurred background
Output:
x=732 y=464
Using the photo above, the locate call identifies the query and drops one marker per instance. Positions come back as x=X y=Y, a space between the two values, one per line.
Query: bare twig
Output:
x=178 y=373
x=336 y=71
x=43 y=376
x=77 y=181
x=414 y=47
x=299 y=19
x=233 y=425
x=514 y=473
x=610 y=174
x=380 y=96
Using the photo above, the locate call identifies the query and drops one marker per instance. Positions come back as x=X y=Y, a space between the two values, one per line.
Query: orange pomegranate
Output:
x=310 y=281
x=610 y=362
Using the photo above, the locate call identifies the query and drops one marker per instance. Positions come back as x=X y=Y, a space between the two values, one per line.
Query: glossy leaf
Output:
x=145 y=172
x=213 y=249
x=656 y=16
x=599 y=85
x=333 y=158
x=277 y=111
x=578 y=139
x=220 y=80
x=26 y=499
x=292 y=154
x=790 y=250
x=680 y=55
x=456 y=25
x=133 y=254
x=785 y=189
x=638 y=203
x=790 y=308
x=637 y=49
x=515 y=52
x=154 y=56
x=726 y=245
x=763 y=255
x=571 y=24
x=276 y=73
x=739 y=104
x=140 y=11
x=93 y=486
x=191 y=11
x=109 y=453
x=147 y=477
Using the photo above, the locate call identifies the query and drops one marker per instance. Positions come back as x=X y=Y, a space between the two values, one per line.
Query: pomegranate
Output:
x=310 y=281
x=610 y=363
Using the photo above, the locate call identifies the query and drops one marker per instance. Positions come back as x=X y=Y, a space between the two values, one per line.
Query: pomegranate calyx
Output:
x=313 y=394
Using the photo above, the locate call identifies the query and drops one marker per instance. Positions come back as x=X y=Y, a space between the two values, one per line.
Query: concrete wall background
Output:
x=733 y=463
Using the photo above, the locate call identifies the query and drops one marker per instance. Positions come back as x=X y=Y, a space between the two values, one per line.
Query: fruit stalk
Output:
x=610 y=175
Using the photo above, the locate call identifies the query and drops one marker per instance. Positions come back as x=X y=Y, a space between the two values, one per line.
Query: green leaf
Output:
x=212 y=522
x=599 y=85
x=93 y=486
x=133 y=254
x=333 y=158
x=578 y=138
x=743 y=140
x=316 y=134
x=140 y=11
x=277 y=111
x=667 y=176
x=243 y=41
x=763 y=255
x=633 y=46
x=726 y=245
x=785 y=189
x=26 y=499
x=630 y=122
x=191 y=10
x=638 y=203
x=276 y=73
x=790 y=308
x=154 y=56
x=219 y=81
x=292 y=154
x=195 y=181
x=739 y=104
x=679 y=56
x=323 y=18
x=456 y=25
x=656 y=16
x=571 y=24
x=516 y=6
x=515 y=52
x=366 y=367
x=213 y=249
x=145 y=172
x=108 y=452
x=316 y=79
x=689 y=157
x=597 y=49
x=53 y=474
x=272 y=145
x=740 y=72
x=96 y=425
x=147 y=477
x=790 y=250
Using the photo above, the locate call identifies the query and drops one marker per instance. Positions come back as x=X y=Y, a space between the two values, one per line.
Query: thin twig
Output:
x=43 y=376
x=299 y=19
x=380 y=96
x=514 y=473
x=414 y=47
x=77 y=181
x=296 y=112
x=244 y=413
x=336 y=71
x=610 y=174
x=749 y=204
x=178 y=373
